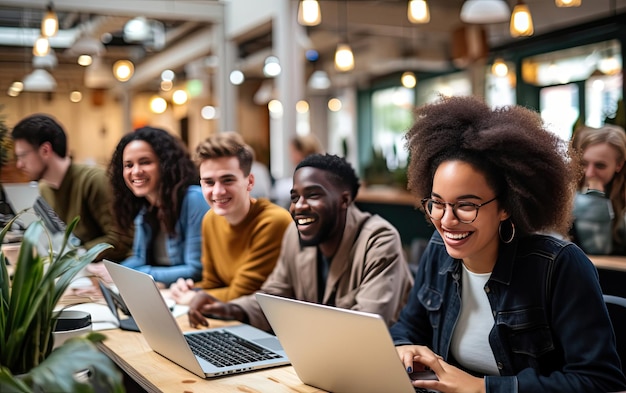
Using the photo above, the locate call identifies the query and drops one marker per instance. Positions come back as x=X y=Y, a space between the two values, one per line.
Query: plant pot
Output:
x=71 y=323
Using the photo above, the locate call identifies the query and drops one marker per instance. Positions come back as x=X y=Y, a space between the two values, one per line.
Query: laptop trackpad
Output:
x=271 y=343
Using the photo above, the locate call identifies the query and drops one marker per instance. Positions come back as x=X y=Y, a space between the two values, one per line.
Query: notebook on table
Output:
x=206 y=353
x=338 y=350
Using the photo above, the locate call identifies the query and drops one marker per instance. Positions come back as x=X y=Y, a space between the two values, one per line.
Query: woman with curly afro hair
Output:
x=156 y=187
x=501 y=303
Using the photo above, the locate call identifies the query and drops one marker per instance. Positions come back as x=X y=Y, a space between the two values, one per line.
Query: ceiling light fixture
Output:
x=86 y=45
x=137 y=30
x=50 y=22
x=76 y=96
x=42 y=46
x=418 y=12
x=309 y=13
x=123 y=70
x=272 y=67
x=521 y=21
x=408 y=80
x=567 y=3
x=236 y=77
x=179 y=97
x=39 y=80
x=344 y=58
x=85 y=60
x=158 y=105
x=485 y=11
x=319 y=80
x=499 y=68
x=168 y=75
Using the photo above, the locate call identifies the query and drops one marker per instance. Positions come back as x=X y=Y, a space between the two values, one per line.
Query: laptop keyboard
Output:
x=223 y=349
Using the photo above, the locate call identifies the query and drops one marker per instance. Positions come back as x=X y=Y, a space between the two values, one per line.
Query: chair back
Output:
x=617 y=311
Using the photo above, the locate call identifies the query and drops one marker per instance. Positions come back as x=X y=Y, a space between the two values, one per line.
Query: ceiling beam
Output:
x=206 y=11
x=193 y=47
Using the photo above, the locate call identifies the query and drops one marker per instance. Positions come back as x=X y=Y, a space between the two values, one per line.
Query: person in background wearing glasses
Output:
x=498 y=305
x=600 y=204
x=71 y=189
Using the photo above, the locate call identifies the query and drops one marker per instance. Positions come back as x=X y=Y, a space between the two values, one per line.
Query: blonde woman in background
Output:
x=300 y=147
x=600 y=203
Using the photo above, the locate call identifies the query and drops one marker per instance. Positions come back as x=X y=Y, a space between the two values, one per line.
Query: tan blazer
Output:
x=368 y=273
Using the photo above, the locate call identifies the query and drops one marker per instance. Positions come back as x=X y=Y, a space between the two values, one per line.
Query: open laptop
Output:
x=338 y=350
x=22 y=196
x=165 y=337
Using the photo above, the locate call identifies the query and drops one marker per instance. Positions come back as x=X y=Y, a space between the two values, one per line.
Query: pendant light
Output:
x=567 y=3
x=123 y=70
x=485 y=11
x=309 y=13
x=408 y=80
x=344 y=58
x=418 y=12
x=49 y=23
x=499 y=68
x=42 y=46
x=521 y=21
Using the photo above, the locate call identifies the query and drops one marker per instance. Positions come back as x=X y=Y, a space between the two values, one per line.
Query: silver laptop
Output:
x=22 y=196
x=338 y=350
x=165 y=337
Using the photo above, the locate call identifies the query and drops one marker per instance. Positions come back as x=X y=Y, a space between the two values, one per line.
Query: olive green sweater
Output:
x=85 y=192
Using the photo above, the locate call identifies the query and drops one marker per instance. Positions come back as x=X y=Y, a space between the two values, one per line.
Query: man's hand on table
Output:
x=204 y=306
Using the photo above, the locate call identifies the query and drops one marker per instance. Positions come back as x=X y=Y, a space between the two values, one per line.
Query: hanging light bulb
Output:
x=567 y=3
x=309 y=13
x=408 y=80
x=123 y=70
x=521 y=21
x=344 y=59
x=499 y=67
x=49 y=23
x=42 y=46
x=418 y=11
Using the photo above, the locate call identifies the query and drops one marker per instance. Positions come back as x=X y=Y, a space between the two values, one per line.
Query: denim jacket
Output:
x=551 y=331
x=184 y=249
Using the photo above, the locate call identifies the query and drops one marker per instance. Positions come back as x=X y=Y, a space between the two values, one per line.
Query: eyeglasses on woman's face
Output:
x=465 y=212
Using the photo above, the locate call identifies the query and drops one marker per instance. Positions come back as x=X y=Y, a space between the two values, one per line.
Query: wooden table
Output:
x=611 y=273
x=154 y=373
x=612 y=262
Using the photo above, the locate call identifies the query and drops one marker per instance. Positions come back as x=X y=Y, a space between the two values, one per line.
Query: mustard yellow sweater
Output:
x=237 y=259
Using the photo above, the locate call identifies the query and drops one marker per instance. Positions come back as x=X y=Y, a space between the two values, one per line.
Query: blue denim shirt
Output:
x=184 y=250
x=551 y=331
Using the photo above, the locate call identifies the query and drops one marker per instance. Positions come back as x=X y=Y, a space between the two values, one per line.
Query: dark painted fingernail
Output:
x=409 y=369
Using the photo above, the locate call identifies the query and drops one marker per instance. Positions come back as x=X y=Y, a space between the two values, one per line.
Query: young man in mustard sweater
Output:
x=241 y=236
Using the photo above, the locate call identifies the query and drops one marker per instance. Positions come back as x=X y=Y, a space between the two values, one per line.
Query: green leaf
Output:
x=27 y=320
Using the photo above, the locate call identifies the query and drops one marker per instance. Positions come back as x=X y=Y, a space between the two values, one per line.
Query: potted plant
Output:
x=28 y=362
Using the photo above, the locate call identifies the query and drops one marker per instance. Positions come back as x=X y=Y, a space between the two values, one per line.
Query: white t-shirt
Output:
x=470 y=339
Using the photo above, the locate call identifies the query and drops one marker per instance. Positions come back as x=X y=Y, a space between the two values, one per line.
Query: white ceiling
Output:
x=378 y=30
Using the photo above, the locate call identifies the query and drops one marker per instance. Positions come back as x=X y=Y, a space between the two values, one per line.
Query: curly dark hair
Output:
x=529 y=168
x=340 y=172
x=177 y=172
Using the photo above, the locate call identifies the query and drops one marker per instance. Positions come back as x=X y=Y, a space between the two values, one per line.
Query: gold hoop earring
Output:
x=510 y=239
